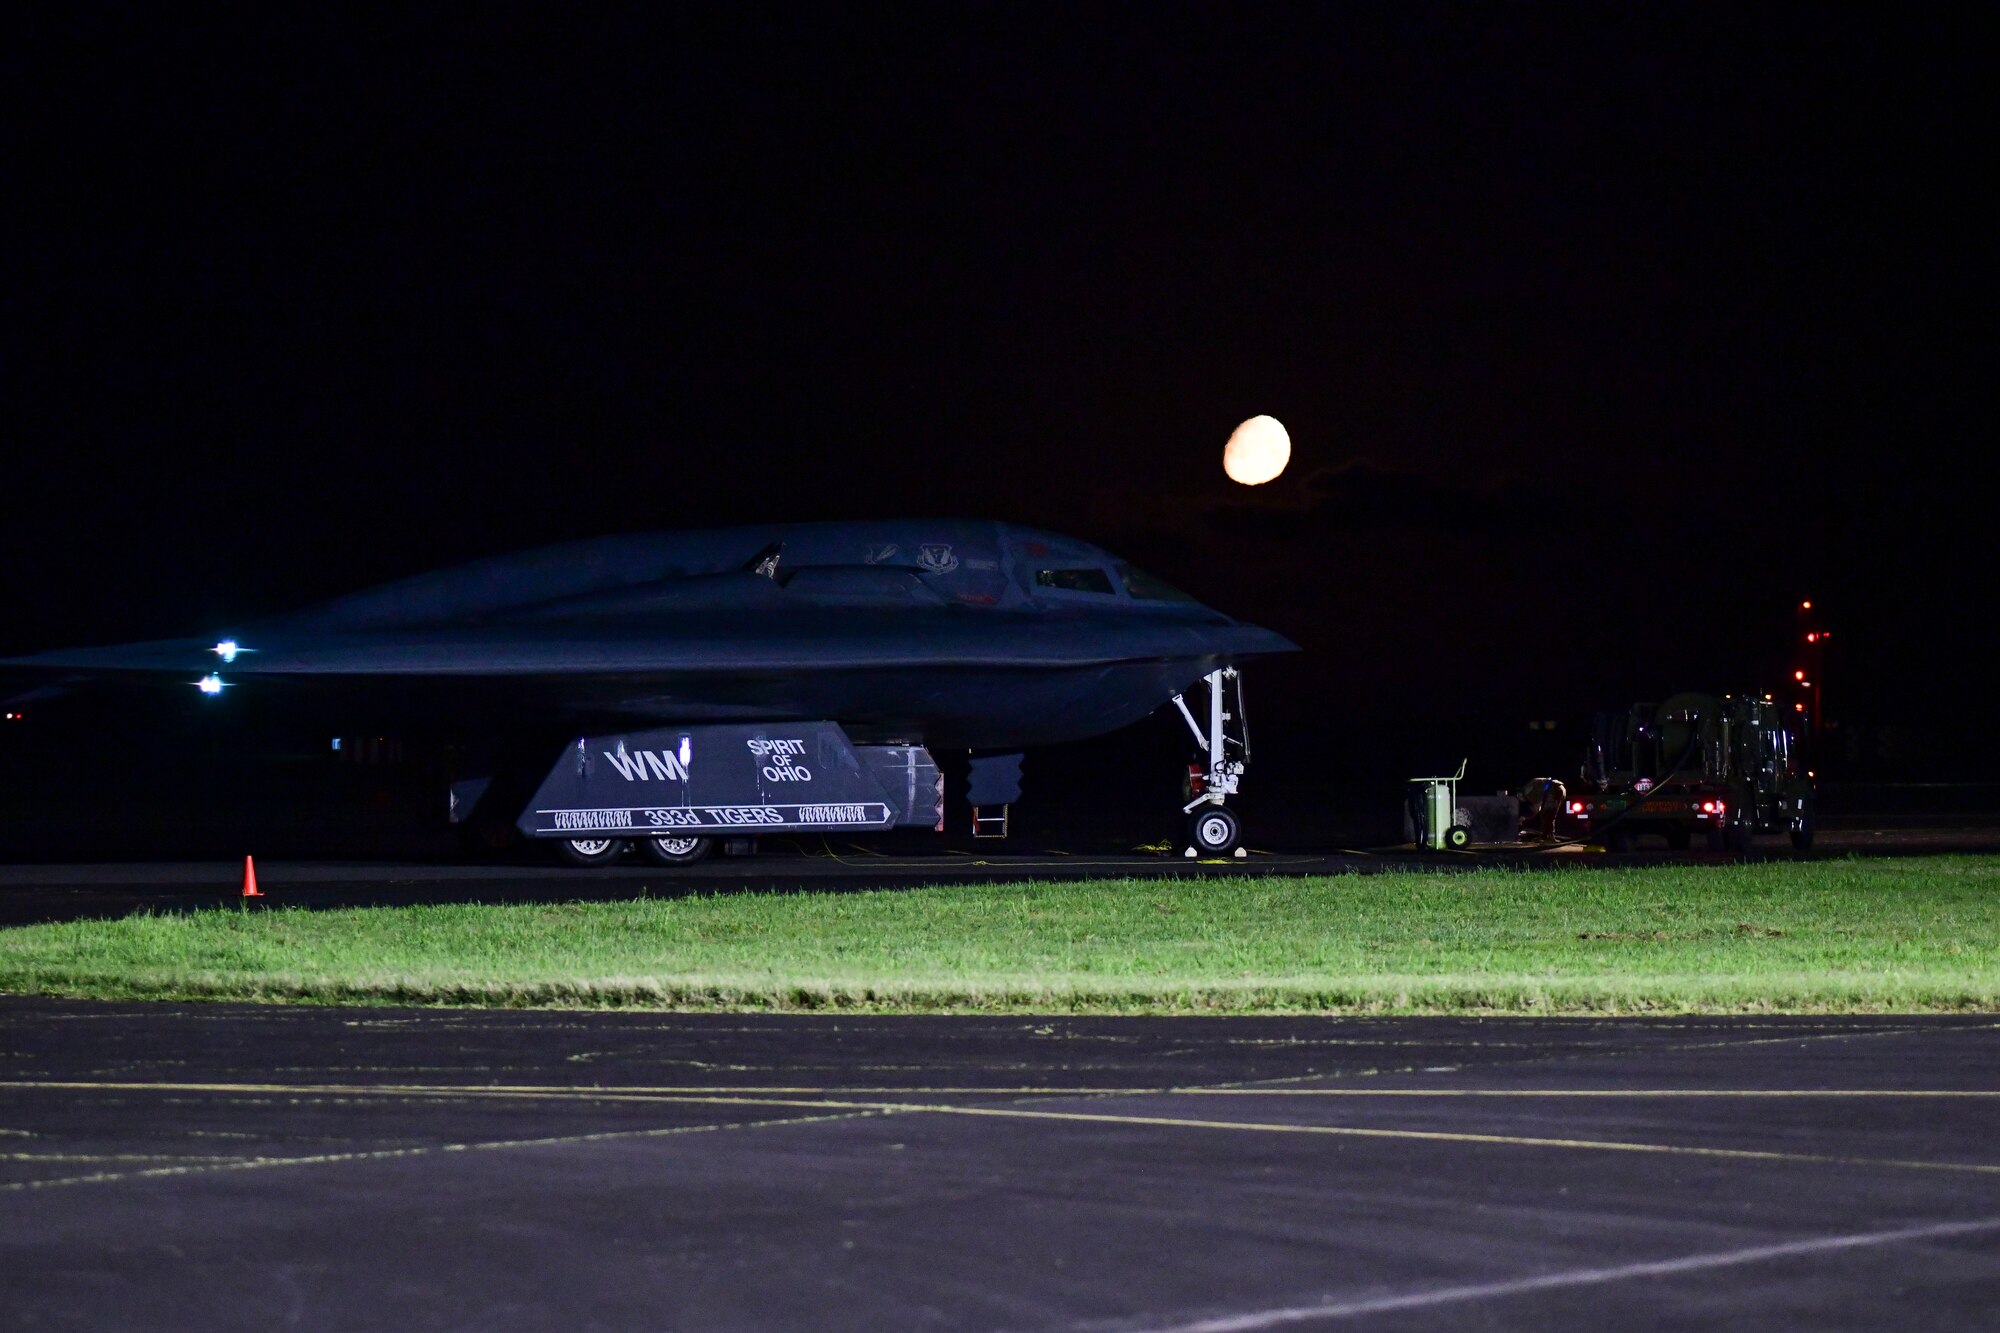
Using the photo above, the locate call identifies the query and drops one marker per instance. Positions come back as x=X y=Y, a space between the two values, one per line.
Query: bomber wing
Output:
x=693 y=644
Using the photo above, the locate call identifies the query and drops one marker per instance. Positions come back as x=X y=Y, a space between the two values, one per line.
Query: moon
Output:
x=1257 y=451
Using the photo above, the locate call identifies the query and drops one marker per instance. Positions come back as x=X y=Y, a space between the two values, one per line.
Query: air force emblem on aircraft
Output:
x=936 y=558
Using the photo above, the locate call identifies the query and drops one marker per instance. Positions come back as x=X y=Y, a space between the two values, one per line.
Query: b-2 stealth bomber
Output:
x=729 y=682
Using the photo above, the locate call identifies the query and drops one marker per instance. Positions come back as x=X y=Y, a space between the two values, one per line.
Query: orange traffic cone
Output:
x=250 y=889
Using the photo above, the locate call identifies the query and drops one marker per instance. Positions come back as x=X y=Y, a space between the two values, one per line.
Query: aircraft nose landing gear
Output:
x=1212 y=828
x=1213 y=831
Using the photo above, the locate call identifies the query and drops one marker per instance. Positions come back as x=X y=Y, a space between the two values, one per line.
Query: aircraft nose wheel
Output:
x=590 y=851
x=1214 y=831
x=675 y=851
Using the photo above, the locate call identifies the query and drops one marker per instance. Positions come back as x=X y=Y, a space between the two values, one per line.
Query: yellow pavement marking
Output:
x=1442 y=1136
x=1024 y=1113
x=1576 y=1056
x=324 y=1159
x=1072 y=862
x=115 y=1157
x=580 y=1092
x=1588 y=1092
x=588 y=1092
x=1847 y=1034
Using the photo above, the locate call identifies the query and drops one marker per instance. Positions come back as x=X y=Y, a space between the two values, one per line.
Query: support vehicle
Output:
x=1699 y=767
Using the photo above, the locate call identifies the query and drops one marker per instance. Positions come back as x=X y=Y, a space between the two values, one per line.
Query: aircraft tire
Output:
x=590 y=851
x=676 y=851
x=1214 y=831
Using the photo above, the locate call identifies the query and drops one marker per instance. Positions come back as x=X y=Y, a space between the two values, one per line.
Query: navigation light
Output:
x=227 y=650
x=209 y=684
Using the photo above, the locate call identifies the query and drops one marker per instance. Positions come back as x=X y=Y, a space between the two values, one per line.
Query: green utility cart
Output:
x=1439 y=825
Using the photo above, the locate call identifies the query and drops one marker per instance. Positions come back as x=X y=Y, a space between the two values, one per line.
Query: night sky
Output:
x=1603 y=333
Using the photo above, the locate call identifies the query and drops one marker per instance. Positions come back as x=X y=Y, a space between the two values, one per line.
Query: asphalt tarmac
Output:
x=239 y=1167
x=80 y=890
x=69 y=892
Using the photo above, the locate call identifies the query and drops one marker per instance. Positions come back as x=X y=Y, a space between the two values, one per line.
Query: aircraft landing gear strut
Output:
x=1212 y=827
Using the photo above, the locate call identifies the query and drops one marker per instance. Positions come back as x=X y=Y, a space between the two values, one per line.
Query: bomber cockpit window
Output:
x=1146 y=588
x=1075 y=580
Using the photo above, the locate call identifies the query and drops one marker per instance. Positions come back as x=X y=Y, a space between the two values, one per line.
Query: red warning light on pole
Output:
x=1805 y=605
x=1798 y=675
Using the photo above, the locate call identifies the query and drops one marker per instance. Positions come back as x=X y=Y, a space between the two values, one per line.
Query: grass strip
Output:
x=1854 y=936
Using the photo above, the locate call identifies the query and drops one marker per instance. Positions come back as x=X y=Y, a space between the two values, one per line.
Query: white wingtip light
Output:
x=209 y=684
x=227 y=650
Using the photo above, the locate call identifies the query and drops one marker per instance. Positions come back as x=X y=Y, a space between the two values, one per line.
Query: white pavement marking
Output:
x=1576 y=1277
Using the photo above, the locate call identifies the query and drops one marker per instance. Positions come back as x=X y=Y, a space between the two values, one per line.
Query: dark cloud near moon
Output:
x=1362 y=494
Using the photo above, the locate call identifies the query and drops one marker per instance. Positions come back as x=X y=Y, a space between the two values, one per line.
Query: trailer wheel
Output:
x=1457 y=838
x=1802 y=831
x=590 y=851
x=1803 y=827
x=675 y=851
x=1214 y=831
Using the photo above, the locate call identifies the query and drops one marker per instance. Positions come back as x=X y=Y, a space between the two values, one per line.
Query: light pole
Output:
x=1810 y=679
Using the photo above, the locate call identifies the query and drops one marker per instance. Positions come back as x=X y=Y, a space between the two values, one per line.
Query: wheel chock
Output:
x=1190 y=853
